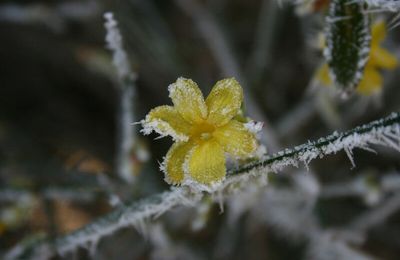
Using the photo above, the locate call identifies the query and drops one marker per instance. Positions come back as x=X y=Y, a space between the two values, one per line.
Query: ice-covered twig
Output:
x=127 y=91
x=114 y=43
x=376 y=132
x=130 y=215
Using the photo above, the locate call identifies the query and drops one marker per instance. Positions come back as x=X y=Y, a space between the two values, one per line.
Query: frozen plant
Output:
x=203 y=130
x=226 y=196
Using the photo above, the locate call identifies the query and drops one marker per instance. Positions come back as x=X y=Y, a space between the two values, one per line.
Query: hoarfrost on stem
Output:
x=377 y=132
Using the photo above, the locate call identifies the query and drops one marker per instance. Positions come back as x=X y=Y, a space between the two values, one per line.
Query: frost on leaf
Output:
x=348 y=43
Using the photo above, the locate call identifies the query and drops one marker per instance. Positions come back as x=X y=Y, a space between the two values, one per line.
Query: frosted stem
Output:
x=154 y=206
x=125 y=113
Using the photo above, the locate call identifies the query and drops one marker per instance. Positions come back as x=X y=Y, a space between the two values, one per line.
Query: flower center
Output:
x=202 y=131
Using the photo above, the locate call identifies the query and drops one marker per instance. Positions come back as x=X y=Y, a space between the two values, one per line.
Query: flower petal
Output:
x=382 y=58
x=378 y=32
x=224 y=101
x=165 y=120
x=323 y=76
x=236 y=139
x=174 y=162
x=207 y=163
x=371 y=82
x=188 y=100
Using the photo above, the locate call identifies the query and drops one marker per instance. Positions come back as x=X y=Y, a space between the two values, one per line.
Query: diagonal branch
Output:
x=384 y=132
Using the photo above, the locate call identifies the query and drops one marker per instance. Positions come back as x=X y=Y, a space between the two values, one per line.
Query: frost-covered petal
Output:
x=236 y=139
x=378 y=32
x=165 y=120
x=224 y=101
x=323 y=76
x=382 y=58
x=188 y=100
x=174 y=162
x=206 y=163
x=371 y=82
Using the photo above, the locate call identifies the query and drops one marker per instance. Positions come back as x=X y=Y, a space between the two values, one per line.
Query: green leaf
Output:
x=348 y=43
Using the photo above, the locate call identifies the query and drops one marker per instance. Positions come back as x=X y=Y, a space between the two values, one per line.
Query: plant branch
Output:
x=385 y=132
x=127 y=93
x=375 y=132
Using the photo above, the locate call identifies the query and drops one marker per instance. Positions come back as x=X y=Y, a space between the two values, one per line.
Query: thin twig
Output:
x=367 y=134
x=137 y=212
x=125 y=116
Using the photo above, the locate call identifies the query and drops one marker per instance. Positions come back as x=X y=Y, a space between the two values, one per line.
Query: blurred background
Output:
x=62 y=129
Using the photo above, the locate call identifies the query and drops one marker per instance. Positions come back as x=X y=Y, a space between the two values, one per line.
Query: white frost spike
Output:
x=391 y=143
x=141 y=227
x=368 y=149
x=92 y=246
x=201 y=217
x=349 y=154
x=220 y=198
x=254 y=127
x=162 y=128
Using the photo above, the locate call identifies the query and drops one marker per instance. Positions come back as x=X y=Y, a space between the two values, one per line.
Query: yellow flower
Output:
x=379 y=58
x=203 y=130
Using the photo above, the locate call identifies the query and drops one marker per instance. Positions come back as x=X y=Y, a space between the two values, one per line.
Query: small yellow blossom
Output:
x=379 y=58
x=203 y=131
